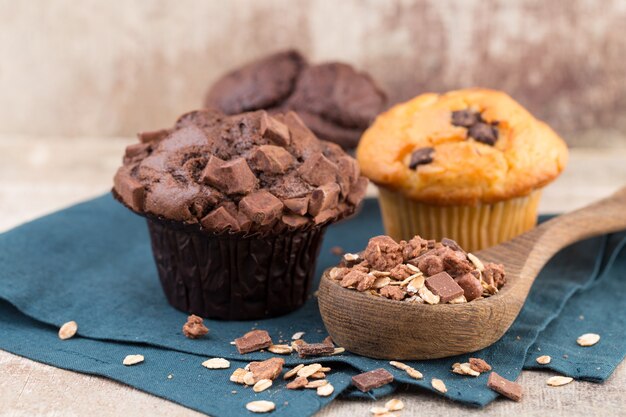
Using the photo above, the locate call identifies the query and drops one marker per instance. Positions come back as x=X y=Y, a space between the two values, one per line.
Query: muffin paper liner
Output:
x=234 y=276
x=473 y=227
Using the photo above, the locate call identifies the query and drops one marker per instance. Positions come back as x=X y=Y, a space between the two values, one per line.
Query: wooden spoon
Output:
x=381 y=328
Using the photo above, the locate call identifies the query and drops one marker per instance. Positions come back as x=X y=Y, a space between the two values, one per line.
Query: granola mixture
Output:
x=419 y=271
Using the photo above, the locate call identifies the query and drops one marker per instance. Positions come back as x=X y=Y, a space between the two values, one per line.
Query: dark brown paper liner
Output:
x=232 y=276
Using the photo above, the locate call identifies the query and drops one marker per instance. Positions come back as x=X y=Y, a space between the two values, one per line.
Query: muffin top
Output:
x=250 y=173
x=334 y=100
x=462 y=147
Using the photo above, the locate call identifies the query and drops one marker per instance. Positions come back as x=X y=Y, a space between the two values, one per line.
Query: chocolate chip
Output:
x=152 y=136
x=271 y=159
x=421 y=156
x=232 y=177
x=465 y=118
x=372 y=379
x=323 y=198
x=131 y=191
x=298 y=205
x=261 y=207
x=505 y=387
x=295 y=220
x=252 y=341
x=484 y=133
x=274 y=130
x=318 y=170
x=444 y=286
x=220 y=219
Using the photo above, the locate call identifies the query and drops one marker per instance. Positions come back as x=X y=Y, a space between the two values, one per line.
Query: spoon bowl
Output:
x=386 y=329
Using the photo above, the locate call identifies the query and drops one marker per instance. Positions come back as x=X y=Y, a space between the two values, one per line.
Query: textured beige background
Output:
x=104 y=68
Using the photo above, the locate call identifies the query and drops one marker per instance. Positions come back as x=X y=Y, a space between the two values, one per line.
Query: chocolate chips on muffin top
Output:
x=251 y=173
x=334 y=100
x=421 y=156
x=422 y=271
x=477 y=128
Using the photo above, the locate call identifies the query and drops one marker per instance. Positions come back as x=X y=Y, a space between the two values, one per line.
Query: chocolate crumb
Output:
x=479 y=365
x=194 y=328
x=253 y=341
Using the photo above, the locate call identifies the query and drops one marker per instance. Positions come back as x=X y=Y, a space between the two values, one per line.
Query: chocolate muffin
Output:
x=334 y=100
x=237 y=207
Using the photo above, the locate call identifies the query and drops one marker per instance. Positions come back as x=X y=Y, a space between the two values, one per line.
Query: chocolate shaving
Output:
x=421 y=156
x=372 y=379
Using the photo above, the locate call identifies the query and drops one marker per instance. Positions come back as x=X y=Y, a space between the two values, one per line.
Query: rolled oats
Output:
x=316 y=384
x=557 y=381
x=377 y=411
x=293 y=372
x=262 y=385
x=399 y=365
x=318 y=375
x=351 y=257
x=68 y=330
x=248 y=378
x=280 y=349
x=132 y=360
x=338 y=351
x=309 y=370
x=381 y=282
x=297 y=336
x=325 y=390
x=237 y=375
x=459 y=300
x=216 y=363
x=477 y=262
x=414 y=373
x=439 y=385
x=428 y=296
x=544 y=360
x=261 y=406
x=588 y=339
x=394 y=405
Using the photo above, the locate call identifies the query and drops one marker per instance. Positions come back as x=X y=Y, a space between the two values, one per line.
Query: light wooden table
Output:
x=40 y=175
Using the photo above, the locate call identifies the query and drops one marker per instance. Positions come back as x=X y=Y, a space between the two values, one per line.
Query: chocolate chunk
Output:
x=325 y=216
x=299 y=205
x=465 y=118
x=232 y=177
x=444 y=286
x=271 y=159
x=505 y=387
x=393 y=292
x=421 y=156
x=494 y=274
x=253 y=341
x=274 y=130
x=318 y=170
x=472 y=288
x=129 y=189
x=194 y=328
x=261 y=207
x=295 y=221
x=186 y=137
x=136 y=150
x=484 y=133
x=479 y=365
x=220 y=219
x=323 y=198
x=383 y=253
x=152 y=136
x=372 y=379
x=451 y=244
x=349 y=169
x=267 y=369
x=430 y=265
x=315 y=349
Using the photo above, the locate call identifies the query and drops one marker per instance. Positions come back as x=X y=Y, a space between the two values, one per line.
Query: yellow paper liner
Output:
x=473 y=227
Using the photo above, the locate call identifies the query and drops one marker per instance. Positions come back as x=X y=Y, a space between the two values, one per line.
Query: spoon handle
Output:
x=528 y=253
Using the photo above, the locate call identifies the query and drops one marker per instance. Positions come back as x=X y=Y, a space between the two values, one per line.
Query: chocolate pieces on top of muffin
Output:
x=334 y=100
x=251 y=173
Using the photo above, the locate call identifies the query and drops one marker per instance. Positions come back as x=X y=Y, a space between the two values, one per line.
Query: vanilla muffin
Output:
x=469 y=165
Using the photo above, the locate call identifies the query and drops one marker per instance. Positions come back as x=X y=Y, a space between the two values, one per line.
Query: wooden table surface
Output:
x=40 y=175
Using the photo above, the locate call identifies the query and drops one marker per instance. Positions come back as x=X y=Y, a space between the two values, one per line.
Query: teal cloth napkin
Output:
x=92 y=263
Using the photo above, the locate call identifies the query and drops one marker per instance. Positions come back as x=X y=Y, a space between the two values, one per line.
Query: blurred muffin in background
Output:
x=334 y=100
